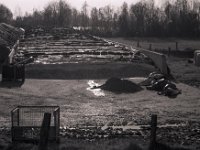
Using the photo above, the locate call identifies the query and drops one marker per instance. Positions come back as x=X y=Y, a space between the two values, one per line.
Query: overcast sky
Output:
x=29 y=5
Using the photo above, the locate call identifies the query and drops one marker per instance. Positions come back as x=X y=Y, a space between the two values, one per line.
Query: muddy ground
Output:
x=109 y=113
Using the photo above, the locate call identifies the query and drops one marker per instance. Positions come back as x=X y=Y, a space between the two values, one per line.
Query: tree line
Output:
x=180 y=18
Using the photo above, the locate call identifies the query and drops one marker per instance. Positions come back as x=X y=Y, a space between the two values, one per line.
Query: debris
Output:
x=152 y=78
x=74 y=47
x=160 y=83
x=96 y=91
x=171 y=90
x=190 y=61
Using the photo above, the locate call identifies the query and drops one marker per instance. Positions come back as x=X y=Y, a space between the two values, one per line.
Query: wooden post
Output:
x=138 y=43
x=169 y=51
x=22 y=73
x=150 y=46
x=44 y=132
x=14 y=73
x=177 y=46
x=152 y=145
x=18 y=117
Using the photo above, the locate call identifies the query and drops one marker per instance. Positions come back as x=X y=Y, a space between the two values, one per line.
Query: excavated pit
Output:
x=70 y=55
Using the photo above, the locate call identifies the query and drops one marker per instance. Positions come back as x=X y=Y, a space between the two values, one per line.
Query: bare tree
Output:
x=108 y=15
x=64 y=14
x=94 y=19
x=84 y=15
x=123 y=20
x=75 y=18
x=5 y=14
x=180 y=18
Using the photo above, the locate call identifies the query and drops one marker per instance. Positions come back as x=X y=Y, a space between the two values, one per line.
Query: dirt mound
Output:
x=120 y=86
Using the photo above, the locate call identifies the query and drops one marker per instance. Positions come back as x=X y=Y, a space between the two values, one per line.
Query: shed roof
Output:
x=9 y=34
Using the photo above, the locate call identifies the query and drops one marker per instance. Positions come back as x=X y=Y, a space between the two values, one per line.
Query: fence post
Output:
x=152 y=145
x=169 y=51
x=138 y=43
x=14 y=73
x=44 y=132
x=176 y=46
x=150 y=45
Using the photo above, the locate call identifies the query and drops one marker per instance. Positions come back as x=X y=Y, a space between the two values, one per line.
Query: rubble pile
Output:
x=158 y=82
x=63 y=45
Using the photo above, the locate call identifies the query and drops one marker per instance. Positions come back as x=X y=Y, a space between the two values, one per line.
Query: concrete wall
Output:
x=88 y=70
x=158 y=58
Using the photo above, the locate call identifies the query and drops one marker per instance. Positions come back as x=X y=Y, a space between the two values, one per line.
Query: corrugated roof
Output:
x=3 y=42
x=9 y=34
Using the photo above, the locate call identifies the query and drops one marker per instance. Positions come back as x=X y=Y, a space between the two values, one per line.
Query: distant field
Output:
x=162 y=43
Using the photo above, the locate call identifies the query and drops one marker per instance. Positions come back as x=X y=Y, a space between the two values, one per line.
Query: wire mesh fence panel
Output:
x=27 y=121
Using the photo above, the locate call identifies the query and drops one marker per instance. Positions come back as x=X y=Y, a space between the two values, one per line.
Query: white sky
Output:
x=29 y=5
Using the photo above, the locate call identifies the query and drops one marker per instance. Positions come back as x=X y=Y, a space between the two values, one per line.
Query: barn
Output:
x=8 y=37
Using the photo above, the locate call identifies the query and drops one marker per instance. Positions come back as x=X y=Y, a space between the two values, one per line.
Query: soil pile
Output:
x=118 y=85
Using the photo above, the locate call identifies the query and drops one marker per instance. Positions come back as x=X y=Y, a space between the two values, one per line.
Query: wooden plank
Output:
x=152 y=145
x=44 y=132
x=158 y=59
x=13 y=52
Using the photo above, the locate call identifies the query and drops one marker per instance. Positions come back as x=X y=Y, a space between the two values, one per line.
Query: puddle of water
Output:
x=96 y=92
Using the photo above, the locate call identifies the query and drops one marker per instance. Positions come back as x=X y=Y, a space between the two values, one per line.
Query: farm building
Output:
x=10 y=34
x=8 y=37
